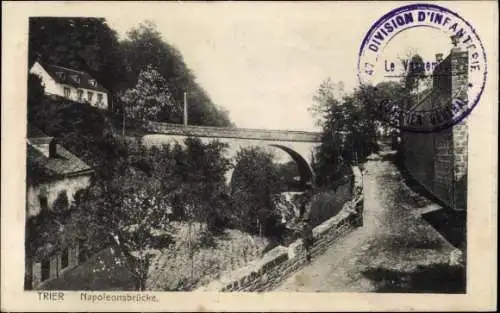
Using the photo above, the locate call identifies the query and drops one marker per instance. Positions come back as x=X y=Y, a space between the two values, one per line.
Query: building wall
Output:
x=438 y=161
x=34 y=269
x=51 y=189
x=51 y=86
x=54 y=88
x=443 y=166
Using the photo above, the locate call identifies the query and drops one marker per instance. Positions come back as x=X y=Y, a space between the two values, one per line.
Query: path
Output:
x=395 y=251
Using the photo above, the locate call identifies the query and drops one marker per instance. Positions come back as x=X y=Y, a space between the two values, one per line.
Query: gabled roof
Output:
x=75 y=78
x=43 y=168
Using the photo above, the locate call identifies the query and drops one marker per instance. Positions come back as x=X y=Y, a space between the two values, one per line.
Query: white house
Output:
x=71 y=84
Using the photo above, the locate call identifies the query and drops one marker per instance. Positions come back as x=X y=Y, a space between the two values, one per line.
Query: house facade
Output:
x=438 y=160
x=71 y=84
x=54 y=176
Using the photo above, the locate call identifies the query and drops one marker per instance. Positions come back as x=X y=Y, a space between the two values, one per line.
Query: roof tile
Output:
x=83 y=78
x=64 y=163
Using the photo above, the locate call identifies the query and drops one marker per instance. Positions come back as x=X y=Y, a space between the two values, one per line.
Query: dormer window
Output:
x=76 y=78
x=61 y=75
x=92 y=82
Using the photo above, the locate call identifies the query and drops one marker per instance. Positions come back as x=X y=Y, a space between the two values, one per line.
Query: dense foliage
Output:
x=349 y=132
x=255 y=188
x=86 y=44
x=90 y=45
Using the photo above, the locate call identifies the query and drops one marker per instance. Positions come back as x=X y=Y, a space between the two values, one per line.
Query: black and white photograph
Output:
x=195 y=147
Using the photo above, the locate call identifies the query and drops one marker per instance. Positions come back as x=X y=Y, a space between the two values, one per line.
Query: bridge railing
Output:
x=230 y=132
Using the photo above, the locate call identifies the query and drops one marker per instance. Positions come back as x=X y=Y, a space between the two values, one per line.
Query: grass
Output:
x=173 y=269
x=328 y=203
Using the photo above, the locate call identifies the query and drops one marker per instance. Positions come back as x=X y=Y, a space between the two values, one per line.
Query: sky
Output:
x=265 y=67
x=263 y=62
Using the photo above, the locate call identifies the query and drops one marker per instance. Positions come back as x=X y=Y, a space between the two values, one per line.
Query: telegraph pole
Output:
x=185 y=114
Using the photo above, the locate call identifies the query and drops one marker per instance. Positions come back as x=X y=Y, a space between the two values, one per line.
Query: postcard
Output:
x=240 y=156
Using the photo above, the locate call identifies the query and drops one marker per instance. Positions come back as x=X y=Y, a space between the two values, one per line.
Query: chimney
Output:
x=185 y=113
x=439 y=57
x=53 y=149
x=455 y=41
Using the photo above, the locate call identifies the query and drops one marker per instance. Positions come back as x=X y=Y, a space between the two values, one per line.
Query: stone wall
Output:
x=438 y=161
x=279 y=263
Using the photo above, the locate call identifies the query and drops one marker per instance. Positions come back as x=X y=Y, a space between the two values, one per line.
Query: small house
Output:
x=54 y=175
x=71 y=84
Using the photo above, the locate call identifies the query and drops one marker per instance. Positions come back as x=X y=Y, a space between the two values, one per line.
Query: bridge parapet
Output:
x=228 y=132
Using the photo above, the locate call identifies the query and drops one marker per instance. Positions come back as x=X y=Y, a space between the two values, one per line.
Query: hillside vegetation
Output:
x=90 y=45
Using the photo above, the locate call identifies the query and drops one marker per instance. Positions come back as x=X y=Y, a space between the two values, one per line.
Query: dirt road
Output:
x=395 y=251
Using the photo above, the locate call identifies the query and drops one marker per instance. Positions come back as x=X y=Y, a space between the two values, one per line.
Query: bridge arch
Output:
x=305 y=170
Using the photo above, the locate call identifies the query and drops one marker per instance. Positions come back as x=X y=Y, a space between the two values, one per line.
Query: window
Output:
x=82 y=252
x=80 y=95
x=45 y=269
x=99 y=97
x=43 y=202
x=67 y=92
x=61 y=204
x=76 y=78
x=64 y=258
x=61 y=75
x=90 y=95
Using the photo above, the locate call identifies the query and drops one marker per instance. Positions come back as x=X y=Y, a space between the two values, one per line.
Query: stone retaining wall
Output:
x=277 y=264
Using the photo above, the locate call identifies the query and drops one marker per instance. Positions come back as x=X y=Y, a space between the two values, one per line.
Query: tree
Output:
x=255 y=188
x=86 y=44
x=328 y=157
x=327 y=95
x=348 y=135
x=201 y=170
x=288 y=173
x=127 y=212
x=145 y=46
x=150 y=96
x=36 y=90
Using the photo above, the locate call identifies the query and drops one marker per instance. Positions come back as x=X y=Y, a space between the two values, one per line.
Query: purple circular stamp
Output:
x=422 y=68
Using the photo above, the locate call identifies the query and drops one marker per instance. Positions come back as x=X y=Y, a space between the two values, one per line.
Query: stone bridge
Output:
x=298 y=144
